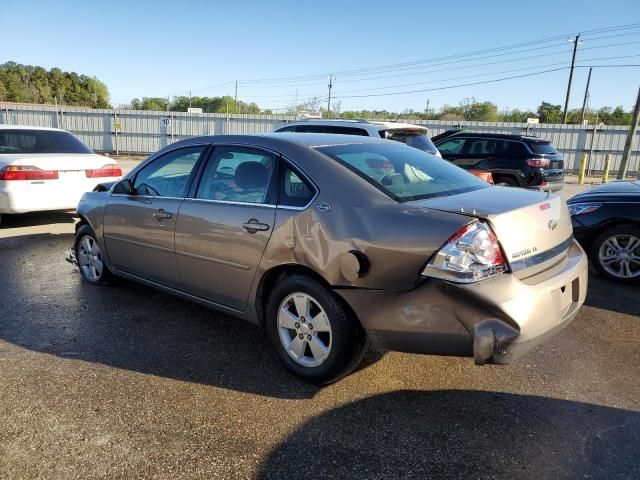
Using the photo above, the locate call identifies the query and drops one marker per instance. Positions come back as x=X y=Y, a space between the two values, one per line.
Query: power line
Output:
x=454 y=86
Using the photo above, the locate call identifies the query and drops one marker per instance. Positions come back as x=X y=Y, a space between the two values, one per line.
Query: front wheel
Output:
x=314 y=333
x=89 y=257
x=616 y=253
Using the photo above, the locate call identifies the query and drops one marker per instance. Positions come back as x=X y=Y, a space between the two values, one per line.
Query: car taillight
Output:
x=106 y=171
x=538 y=162
x=26 y=172
x=470 y=255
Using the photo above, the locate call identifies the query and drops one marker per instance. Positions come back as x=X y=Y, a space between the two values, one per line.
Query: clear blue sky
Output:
x=160 y=48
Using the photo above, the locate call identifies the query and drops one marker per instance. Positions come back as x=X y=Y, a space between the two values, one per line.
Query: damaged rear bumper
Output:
x=496 y=321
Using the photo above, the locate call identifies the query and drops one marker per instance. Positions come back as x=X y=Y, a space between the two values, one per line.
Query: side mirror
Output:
x=124 y=187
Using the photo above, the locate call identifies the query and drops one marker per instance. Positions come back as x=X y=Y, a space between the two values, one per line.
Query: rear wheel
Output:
x=89 y=257
x=314 y=333
x=506 y=182
x=616 y=253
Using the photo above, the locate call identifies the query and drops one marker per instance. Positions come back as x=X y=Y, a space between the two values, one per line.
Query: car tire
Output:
x=615 y=247
x=506 y=182
x=337 y=330
x=89 y=257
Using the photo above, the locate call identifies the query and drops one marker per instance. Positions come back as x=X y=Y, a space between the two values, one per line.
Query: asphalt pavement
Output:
x=127 y=382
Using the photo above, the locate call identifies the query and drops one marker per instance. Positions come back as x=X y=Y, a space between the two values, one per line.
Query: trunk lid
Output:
x=57 y=161
x=533 y=228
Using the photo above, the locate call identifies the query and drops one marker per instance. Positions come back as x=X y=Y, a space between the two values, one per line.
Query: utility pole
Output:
x=329 y=99
x=427 y=112
x=626 y=156
x=586 y=96
x=236 y=102
x=189 y=98
x=576 y=42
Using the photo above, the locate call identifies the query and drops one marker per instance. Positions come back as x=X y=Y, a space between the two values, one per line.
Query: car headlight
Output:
x=582 y=208
x=471 y=254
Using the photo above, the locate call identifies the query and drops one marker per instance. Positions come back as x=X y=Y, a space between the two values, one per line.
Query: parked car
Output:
x=606 y=221
x=47 y=169
x=513 y=160
x=329 y=240
x=413 y=135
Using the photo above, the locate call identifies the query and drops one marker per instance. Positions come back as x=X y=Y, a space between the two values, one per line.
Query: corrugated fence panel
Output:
x=143 y=132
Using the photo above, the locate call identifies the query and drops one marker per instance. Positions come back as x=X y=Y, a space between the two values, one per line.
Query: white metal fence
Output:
x=142 y=132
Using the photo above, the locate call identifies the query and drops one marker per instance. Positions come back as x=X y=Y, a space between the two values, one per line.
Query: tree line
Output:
x=33 y=84
x=30 y=84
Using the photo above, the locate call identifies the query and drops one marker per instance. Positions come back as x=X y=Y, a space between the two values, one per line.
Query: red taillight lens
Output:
x=538 y=162
x=105 y=171
x=471 y=254
x=26 y=172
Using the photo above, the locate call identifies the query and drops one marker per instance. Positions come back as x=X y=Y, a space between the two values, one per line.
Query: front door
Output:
x=221 y=234
x=139 y=228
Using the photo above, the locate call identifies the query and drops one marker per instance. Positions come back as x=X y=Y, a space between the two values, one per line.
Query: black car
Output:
x=513 y=160
x=606 y=221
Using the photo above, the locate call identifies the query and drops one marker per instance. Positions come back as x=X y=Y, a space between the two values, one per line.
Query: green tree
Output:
x=549 y=113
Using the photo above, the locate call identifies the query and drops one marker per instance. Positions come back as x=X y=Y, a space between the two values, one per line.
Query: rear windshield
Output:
x=542 y=148
x=413 y=139
x=40 y=141
x=403 y=173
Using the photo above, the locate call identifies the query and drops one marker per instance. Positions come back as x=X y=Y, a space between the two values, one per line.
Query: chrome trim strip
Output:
x=228 y=202
x=214 y=260
x=542 y=257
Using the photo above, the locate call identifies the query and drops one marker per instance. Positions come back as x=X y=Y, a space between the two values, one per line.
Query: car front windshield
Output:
x=402 y=172
x=24 y=141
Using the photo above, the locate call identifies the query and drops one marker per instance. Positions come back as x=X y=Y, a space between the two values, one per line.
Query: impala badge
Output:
x=552 y=224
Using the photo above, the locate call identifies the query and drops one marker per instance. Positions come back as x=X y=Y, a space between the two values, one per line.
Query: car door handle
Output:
x=161 y=215
x=253 y=226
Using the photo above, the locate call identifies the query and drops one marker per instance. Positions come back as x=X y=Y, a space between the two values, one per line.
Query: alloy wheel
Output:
x=90 y=258
x=304 y=329
x=619 y=256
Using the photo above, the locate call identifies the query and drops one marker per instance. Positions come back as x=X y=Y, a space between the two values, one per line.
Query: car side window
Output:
x=331 y=129
x=168 y=175
x=287 y=129
x=237 y=174
x=293 y=189
x=452 y=147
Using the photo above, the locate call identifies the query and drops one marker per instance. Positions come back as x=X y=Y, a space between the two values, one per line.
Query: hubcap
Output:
x=619 y=255
x=89 y=258
x=304 y=329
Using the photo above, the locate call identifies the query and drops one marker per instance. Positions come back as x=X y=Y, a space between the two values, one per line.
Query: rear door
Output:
x=221 y=232
x=139 y=229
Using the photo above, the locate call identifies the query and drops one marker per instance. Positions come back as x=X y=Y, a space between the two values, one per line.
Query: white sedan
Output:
x=47 y=169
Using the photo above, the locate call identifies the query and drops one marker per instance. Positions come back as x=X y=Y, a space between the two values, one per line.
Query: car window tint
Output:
x=286 y=129
x=415 y=140
x=402 y=172
x=543 y=148
x=237 y=174
x=331 y=129
x=452 y=147
x=167 y=176
x=40 y=141
x=293 y=189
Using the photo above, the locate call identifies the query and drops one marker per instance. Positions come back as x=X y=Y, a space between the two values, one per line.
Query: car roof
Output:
x=6 y=126
x=341 y=122
x=497 y=136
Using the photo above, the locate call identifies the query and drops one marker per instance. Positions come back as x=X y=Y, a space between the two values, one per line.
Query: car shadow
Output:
x=461 y=434
x=46 y=307
x=609 y=295
x=36 y=218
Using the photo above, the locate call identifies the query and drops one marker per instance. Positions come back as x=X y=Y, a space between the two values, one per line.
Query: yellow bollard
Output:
x=607 y=164
x=583 y=167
